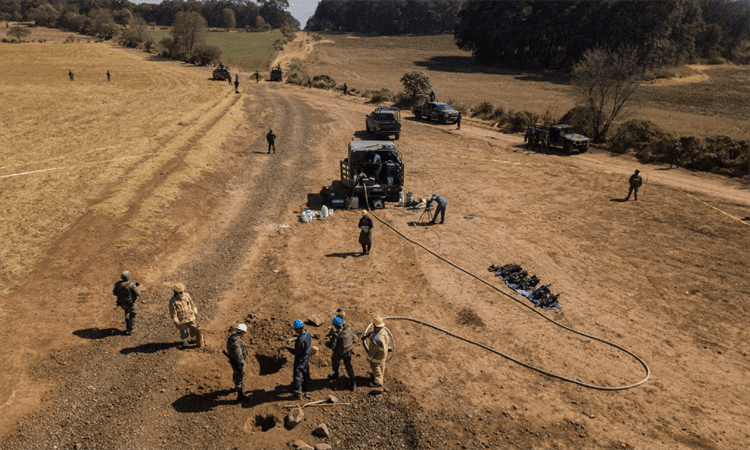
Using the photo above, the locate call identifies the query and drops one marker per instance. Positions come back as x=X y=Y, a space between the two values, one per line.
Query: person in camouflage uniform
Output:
x=342 y=343
x=182 y=310
x=635 y=183
x=127 y=294
x=237 y=353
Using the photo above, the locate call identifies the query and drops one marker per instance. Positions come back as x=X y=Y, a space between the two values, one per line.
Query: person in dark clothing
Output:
x=458 y=121
x=342 y=343
x=346 y=89
x=109 y=77
x=237 y=354
x=257 y=76
x=432 y=95
x=127 y=294
x=309 y=83
x=440 y=209
x=301 y=352
x=70 y=74
x=237 y=83
x=271 y=138
x=674 y=156
x=365 y=234
x=635 y=183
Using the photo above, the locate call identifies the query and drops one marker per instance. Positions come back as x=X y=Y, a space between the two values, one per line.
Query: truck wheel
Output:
x=442 y=119
x=395 y=137
x=417 y=114
x=568 y=147
x=367 y=127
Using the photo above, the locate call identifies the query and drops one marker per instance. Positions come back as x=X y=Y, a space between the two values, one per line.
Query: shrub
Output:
x=149 y=44
x=204 y=54
x=459 y=106
x=297 y=74
x=521 y=120
x=323 y=82
x=484 y=111
x=70 y=38
x=580 y=117
x=415 y=84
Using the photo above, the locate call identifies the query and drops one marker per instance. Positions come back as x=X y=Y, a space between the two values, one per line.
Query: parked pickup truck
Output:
x=374 y=166
x=557 y=135
x=384 y=121
x=442 y=112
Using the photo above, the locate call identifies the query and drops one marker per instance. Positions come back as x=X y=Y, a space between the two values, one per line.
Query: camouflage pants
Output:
x=187 y=330
x=130 y=313
x=238 y=376
x=378 y=372
x=347 y=359
x=633 y=190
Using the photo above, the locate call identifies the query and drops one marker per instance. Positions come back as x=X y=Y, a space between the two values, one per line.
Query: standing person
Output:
x=109 y=78
x=309 y=83
x=127 y=295
x=365 y=234
x=432 y=95
x=458 y=121
x=377 y=350
x=674 y=156
x=342 y=343
x=182 y=310
x=236 y=83
x=635 y=183
x=257 y=76
x=346 y=89
x=237 y=353
x=271 y=138
x=440 y=209
x=301 y=352
x=70 y=74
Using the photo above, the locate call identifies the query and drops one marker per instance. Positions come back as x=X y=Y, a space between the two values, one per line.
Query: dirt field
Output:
x=665 y=277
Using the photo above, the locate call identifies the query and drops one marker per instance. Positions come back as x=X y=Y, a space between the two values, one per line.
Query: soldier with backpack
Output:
x=127 y=294
x=342 y=343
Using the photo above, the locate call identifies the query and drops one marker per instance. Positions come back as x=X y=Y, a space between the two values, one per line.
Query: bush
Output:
x=520 y=121
x=459 y=106
x=580 y=117
x=149 y=44
x=382 y=95
x=484 y=111
x=644 y=137
x=323 y=82
x=415 y=84
x=70 y=39
x=205 y=54
x=297 y=74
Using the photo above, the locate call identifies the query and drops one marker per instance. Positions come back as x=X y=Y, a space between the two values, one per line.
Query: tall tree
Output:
x=189 y=30
x=228 y=19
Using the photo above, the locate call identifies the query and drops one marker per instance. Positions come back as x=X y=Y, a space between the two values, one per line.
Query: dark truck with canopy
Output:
x=556 y=135
x=384 y=121
x=375 y=166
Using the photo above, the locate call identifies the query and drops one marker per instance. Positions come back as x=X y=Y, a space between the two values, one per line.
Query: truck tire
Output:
x=568 y=147
x=417 y=114
x=442 y=119
x=395 y=136
x=367 y=127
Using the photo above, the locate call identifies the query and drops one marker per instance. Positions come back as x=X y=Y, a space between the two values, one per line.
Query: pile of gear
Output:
x=518 y=279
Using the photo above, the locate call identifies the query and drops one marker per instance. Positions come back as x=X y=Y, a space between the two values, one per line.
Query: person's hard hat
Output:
x=364 y=212
x=377 y=322
x=125 y=275
x=241 y=328
x=337 y=321
x=178 y=287
x=298 y=324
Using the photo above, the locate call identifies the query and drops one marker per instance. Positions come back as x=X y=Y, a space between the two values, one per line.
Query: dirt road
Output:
x=664 y=277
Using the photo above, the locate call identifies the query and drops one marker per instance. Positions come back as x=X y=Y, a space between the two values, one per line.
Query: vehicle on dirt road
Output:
x=276 y=73
x=557 y=135
x=442 y=112
x=384 y=121
x=375 y=167
x=222 y=73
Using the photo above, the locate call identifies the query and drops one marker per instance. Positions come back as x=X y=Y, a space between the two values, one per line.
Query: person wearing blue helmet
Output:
x=301 y=352
x=342 y=343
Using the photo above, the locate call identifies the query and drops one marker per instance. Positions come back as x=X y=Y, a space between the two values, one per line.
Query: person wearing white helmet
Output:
x=237 y=354
x=377 y=350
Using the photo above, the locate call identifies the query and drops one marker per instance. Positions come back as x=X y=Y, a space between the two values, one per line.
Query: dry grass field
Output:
x=717 y=104
x=165 y=173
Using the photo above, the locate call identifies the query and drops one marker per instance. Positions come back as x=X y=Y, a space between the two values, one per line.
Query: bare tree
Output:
x=19 y=32
x=189 y=29
x=603 y=82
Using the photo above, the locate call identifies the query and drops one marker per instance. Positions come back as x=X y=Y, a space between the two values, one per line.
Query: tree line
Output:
x=546 y=34
x=385 y=17
x=103 y=18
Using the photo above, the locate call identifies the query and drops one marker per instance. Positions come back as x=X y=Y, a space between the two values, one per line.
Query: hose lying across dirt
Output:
x=528 y=366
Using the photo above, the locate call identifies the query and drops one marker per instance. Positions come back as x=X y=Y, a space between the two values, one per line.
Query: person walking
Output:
x=635 y=183
x=271 y=138
x=70 y=74
x=127 y=295
x=440 y=209
x=257 y=77
x=183 y=312
x=237 y=354
x=109 y=77
x=377 y=350
x=365 y=234
x=301 y=352
x=458 y=121
x=236 y=83
x=342 y=343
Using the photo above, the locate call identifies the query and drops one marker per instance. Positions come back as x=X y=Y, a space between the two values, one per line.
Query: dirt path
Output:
x=651 y=276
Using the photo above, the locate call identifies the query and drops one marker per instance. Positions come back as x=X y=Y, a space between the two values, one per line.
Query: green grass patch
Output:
x=240 y=50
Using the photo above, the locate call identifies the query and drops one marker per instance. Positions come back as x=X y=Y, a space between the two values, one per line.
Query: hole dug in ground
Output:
x=266 y=422
x=270 y=364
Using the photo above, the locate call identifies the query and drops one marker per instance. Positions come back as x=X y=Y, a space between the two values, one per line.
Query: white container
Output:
x=400 y=199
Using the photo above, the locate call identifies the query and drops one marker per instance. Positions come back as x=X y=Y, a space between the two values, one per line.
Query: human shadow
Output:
x=152 y=347
x=96 y=333
x=343 y=254
x=618 y=200
x=197 y=403
x=261 y=153
x=420 y=224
